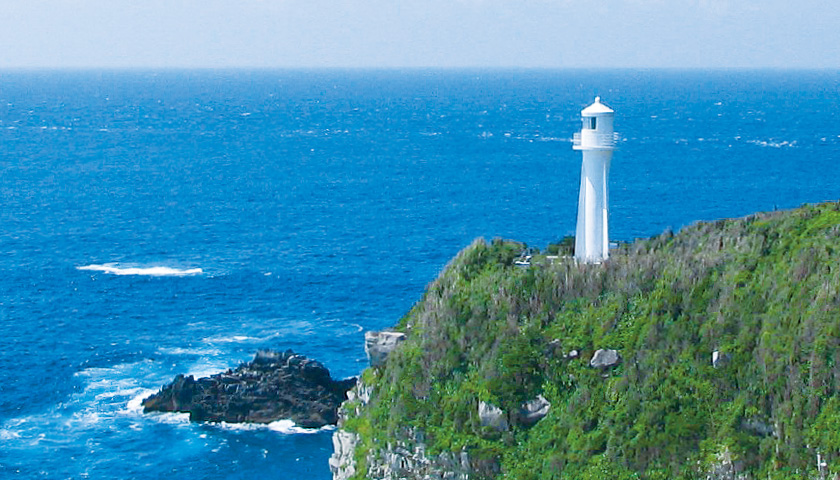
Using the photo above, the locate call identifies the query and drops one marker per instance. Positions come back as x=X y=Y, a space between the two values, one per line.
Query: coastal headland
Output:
x=711 y=353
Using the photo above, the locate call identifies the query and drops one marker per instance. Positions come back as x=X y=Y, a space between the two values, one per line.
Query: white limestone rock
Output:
x=379 y=344
x=342 y=461
x=604 y=358
x=492 y=416
x=719 y=359
x=534 y=410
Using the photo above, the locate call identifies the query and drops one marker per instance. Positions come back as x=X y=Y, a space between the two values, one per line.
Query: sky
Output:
x=419 y=33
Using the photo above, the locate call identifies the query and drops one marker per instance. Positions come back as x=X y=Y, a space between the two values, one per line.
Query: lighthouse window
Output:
x=589 y=123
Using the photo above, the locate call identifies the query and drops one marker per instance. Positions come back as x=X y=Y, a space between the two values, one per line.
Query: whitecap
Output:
x=8 y=434
x=289 y=427
x=239 y=339
x=285 y=426
x=83 y=419
x=171 y=418
x=157 y=271
x=135 y=405
x=188 y=351
x=773 y=144
x=127 y=392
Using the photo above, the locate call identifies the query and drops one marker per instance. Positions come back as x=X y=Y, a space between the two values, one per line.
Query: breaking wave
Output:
x=773 y=144
x=115 y=269
x=280 y=426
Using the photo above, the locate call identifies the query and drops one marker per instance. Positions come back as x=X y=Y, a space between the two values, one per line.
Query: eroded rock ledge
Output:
x=274 y=386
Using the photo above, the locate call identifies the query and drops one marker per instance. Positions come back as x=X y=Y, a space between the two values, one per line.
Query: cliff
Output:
x=712 y=353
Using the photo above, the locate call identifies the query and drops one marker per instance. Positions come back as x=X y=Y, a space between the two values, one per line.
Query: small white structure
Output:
x=597 y=141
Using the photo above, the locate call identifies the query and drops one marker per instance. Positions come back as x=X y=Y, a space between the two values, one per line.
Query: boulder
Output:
x=554 y=348
x=492 y=416
x=726 y=468
x=719 y=359
x=604 y=358
x=379 y=344
x=533 y=411
x=757 y=426
x=274 y=386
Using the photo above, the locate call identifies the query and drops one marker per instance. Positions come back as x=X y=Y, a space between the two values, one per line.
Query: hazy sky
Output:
x=419 y=33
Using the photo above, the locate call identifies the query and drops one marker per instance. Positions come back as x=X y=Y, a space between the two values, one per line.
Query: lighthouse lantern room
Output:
x=597 y=141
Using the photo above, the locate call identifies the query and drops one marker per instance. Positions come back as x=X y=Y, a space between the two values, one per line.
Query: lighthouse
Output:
x=597 y=141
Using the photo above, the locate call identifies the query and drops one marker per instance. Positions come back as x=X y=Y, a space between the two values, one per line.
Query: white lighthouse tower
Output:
x=597 y=141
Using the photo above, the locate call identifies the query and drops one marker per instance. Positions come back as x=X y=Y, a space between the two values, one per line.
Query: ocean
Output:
x=157 y=223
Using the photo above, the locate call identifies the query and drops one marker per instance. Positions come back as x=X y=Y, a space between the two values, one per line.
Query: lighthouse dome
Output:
x=597 y=109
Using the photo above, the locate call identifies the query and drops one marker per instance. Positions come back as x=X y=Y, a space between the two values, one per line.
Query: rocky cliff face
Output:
x=343 y=459
x=405 y=459
x=274 y=386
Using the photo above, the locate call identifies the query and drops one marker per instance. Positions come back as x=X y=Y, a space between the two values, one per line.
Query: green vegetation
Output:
x=763 y=290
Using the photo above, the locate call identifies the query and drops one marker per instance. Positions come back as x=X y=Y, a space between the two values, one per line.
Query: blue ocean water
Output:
x=156 y=223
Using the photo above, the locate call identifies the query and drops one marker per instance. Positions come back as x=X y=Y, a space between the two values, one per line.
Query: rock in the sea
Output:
x=379 y=344
x=604 y=358
x=534 y=410
x=274 y=386
x=492 y=416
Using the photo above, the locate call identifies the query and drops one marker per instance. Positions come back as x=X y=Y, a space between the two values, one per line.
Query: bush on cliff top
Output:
x=763 y=290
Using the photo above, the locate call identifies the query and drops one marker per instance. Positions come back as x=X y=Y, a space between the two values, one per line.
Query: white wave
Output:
x=236 y=339
x=135 y=405
x=168 y=418
x=83 y=419
x=188 y=351
x=771 y=143
x=127 y=392
x=8 y=434
x=281 y=426
x=289 y=427
x=115 y=269
x=105 y=375
x=239 y=339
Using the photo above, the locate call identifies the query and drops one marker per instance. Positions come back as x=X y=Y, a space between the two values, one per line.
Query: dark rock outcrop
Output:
x=274 y=386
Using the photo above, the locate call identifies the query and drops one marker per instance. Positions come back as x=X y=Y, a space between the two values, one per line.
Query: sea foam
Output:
x=281 y=426
x=158 y=271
